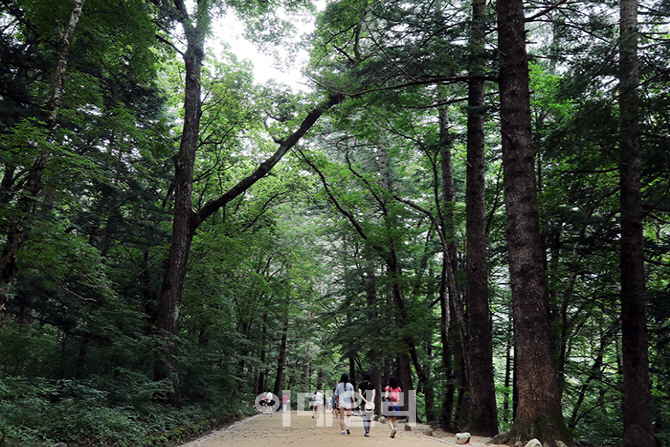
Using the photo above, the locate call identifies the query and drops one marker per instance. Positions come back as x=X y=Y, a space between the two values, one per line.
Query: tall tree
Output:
x=483 y=414
x=195 y=29
x=538 y=413
x=637 y=414
x=186 y=221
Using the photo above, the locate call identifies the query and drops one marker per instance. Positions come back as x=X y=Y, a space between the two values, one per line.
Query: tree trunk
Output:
x=594 y=374
x=319 y=379
x=508 y=416
x=370 y=281
x=448 y=403
x=460 y=382
x=538 y=413
x=185 y=221
x=352 y=371
x=148 y=294
x=483 y=412
x=377 y=379
x=395 y=273
x=281 y=360
x=261 y=385
x=18 y=227
x=453 y=312
x=167 y=321
x=637 y=413
x=404 y=375
x=429 y=390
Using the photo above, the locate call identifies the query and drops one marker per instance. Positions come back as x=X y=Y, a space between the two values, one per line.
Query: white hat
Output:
x=370 y=406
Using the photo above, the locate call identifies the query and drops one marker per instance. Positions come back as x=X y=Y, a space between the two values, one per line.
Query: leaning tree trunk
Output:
x=637 y=413
x=538 y=413
x=185 y=221
x=167 y=320
x=18 y=227
x=483 y=412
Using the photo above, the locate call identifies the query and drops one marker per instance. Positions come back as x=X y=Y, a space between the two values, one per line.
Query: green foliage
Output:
x=38 y=412
x=317 y=249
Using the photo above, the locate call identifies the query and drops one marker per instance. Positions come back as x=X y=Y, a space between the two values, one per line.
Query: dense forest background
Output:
x=471 y=196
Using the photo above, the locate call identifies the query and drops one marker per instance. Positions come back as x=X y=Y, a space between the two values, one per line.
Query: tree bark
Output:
x=637 y=413
x=538 y=413
x=508 y=416
x=483 y=412
x=281 y=360
x=167 y=320
x=447 y=364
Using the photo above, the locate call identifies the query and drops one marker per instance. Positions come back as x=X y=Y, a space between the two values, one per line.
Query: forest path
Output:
x=294 y=430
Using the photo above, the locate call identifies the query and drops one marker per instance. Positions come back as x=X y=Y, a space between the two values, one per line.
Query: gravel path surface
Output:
x=300 y=430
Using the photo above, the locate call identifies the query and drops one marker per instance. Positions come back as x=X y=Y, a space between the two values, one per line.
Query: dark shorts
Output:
x=391 y=410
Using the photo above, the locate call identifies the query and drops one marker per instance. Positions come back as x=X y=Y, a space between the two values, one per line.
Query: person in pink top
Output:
x=391 y=400
x=284 y=402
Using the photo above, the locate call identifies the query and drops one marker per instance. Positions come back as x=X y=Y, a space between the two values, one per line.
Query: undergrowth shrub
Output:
x=40 y=412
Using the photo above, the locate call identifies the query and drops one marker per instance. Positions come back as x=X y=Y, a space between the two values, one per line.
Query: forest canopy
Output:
x=469 y=196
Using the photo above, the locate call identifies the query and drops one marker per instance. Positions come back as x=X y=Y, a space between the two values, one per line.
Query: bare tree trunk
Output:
x=261 y=383
x=370 y=281
x=637 y=413
x=352 y=371
x=448 y=403
x=167 y=321
x=281 y=360
x=594 y=374
x=508 y=379
x=429 y=390
x=405 y=378
x=451 y=303
x=483 y=412
x=319 y=379
x=539 y=412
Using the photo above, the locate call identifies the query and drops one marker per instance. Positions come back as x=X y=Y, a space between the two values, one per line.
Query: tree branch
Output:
x=546 y=11
x=284 y=146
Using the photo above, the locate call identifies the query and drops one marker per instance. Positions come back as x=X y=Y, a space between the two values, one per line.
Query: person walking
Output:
x=391 y=399
x=269 y=403
x=333 y=404
x=367 y=392
x=345 y=402
x=317 y=403
x=285 y=400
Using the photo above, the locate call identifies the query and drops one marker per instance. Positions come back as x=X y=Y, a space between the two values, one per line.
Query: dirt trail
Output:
x=300 y=430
